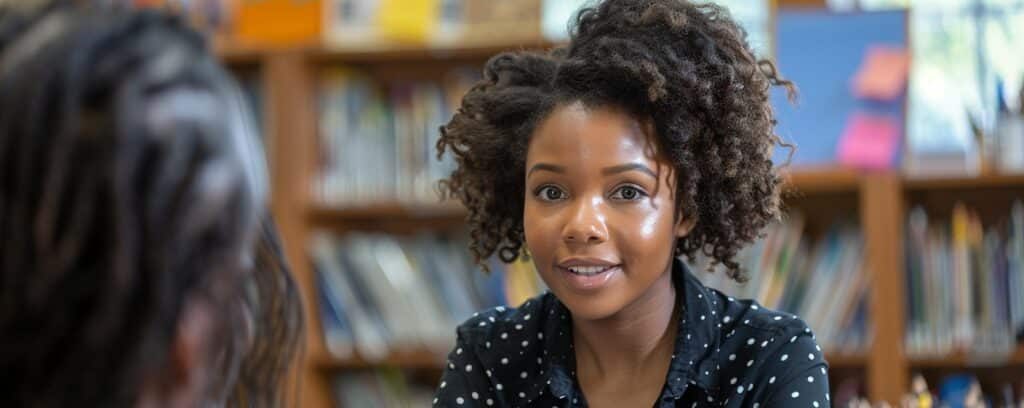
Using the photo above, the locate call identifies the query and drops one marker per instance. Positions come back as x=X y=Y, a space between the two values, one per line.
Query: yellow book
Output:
x=408 y=21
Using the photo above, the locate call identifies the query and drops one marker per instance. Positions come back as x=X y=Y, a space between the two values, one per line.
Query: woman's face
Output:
x=598 y=214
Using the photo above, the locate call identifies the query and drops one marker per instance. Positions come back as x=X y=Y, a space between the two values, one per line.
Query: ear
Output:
x=184 y=380
x=684 y=224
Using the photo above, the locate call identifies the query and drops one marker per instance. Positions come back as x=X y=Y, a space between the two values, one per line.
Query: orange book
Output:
x=279 y=22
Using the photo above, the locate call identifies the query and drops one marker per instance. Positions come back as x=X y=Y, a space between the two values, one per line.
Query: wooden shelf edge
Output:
x=846 y=360
x=963 y=359
x=988 y=180
x=806 y=180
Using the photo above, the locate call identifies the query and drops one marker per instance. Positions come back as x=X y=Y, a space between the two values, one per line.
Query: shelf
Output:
x=984 y=181
x=390 y=54
x=412 y=359
x=965 y=360
x=806 y=180
x=846 y=360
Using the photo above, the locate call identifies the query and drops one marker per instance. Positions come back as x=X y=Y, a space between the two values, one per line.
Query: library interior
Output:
x=901 y=240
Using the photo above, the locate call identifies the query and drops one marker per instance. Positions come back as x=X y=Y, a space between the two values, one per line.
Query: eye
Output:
x=550 y=193
x=628 y=193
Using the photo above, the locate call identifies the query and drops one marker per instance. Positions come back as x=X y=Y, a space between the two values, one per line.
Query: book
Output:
x=378 y=140
x=822 y=279
x=964 y=278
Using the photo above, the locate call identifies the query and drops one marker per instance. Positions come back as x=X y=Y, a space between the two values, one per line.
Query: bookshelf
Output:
x=289 y=78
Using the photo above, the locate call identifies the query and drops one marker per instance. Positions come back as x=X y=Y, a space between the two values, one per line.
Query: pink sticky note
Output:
x=869 y=141
x=883 y=73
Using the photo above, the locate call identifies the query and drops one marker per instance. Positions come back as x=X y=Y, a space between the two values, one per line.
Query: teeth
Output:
x=587 y=270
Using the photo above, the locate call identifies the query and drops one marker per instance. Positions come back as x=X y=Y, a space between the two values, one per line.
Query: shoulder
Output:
x=501 y=322
x=763 y=345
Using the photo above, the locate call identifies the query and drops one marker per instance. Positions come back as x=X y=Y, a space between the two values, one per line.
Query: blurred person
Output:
x=133 y=267
x=645 y=139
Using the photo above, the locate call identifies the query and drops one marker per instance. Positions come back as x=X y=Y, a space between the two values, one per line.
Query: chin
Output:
x=591 y=306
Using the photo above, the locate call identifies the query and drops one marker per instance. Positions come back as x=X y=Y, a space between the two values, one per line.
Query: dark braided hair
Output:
x=127 y=191
x=686 y=67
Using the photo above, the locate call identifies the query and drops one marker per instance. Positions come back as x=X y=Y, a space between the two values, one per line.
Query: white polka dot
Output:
x=739 y=390
x=810 y=379
x=488 y=372
x=458 y=351
x=777 y=318
x=784 y=357
x=823 y=372
x=795 y=394
x=504 y=360
x=459 y=400
x=527 y=317
x=810 y=356
x=491 y=318
x=764 y=343
x=482 y=324
x=754 y=307
x=522 y=395
x=771 y=380
x=490 y=401
x=499 y=387
x=522 y=374
x=732 y=357
x=792 y=339
x=750 y=363
x=519 y=327
x=469 y=367
x=488 y=344
x=756 y=405
x=500 y=308
x=815 y=404
x=525 y=343
x=726 y=319
x=504 y=336
x=750 y=341
x=540 y=336
x=701 y=317
x=444 y=384
x=475 y=395
x=732 y=380
x=435 y=401
x=451 y=366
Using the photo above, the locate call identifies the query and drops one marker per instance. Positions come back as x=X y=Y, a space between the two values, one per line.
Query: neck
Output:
x=637 y=338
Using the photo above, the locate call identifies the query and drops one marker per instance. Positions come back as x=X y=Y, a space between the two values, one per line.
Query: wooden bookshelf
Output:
x=961 y=183
x=289 y=77
x=963 y=359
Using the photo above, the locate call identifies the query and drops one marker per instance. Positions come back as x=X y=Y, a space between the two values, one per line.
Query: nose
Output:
x=586 y=223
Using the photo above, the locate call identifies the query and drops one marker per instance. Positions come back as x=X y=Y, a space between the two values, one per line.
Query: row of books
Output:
x=965 y=282
x=822 y=279
x=379 y=293
x=378 y=141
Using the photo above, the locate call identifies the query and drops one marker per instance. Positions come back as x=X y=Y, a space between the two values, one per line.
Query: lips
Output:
x=588 y=274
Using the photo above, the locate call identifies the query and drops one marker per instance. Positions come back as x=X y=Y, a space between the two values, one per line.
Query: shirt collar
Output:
x=694 y=361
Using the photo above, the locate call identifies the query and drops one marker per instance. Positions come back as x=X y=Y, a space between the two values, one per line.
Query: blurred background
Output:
x=903 y=246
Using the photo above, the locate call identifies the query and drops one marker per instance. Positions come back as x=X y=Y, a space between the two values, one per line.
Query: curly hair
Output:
x=130 y=185
x=685 y=67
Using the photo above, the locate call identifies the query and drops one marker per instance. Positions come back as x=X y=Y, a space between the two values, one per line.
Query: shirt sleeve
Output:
x=796 y=375
x=465 y=382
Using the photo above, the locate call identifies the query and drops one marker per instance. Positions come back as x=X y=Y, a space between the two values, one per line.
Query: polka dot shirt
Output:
x=728 y=353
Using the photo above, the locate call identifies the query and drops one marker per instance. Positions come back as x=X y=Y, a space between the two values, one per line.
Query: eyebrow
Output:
x=545 y=166
x=629 y=167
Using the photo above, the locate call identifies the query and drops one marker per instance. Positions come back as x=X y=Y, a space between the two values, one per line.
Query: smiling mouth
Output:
x=589 y=270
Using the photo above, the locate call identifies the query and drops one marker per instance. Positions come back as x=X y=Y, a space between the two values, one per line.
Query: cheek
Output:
x=648 y=233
